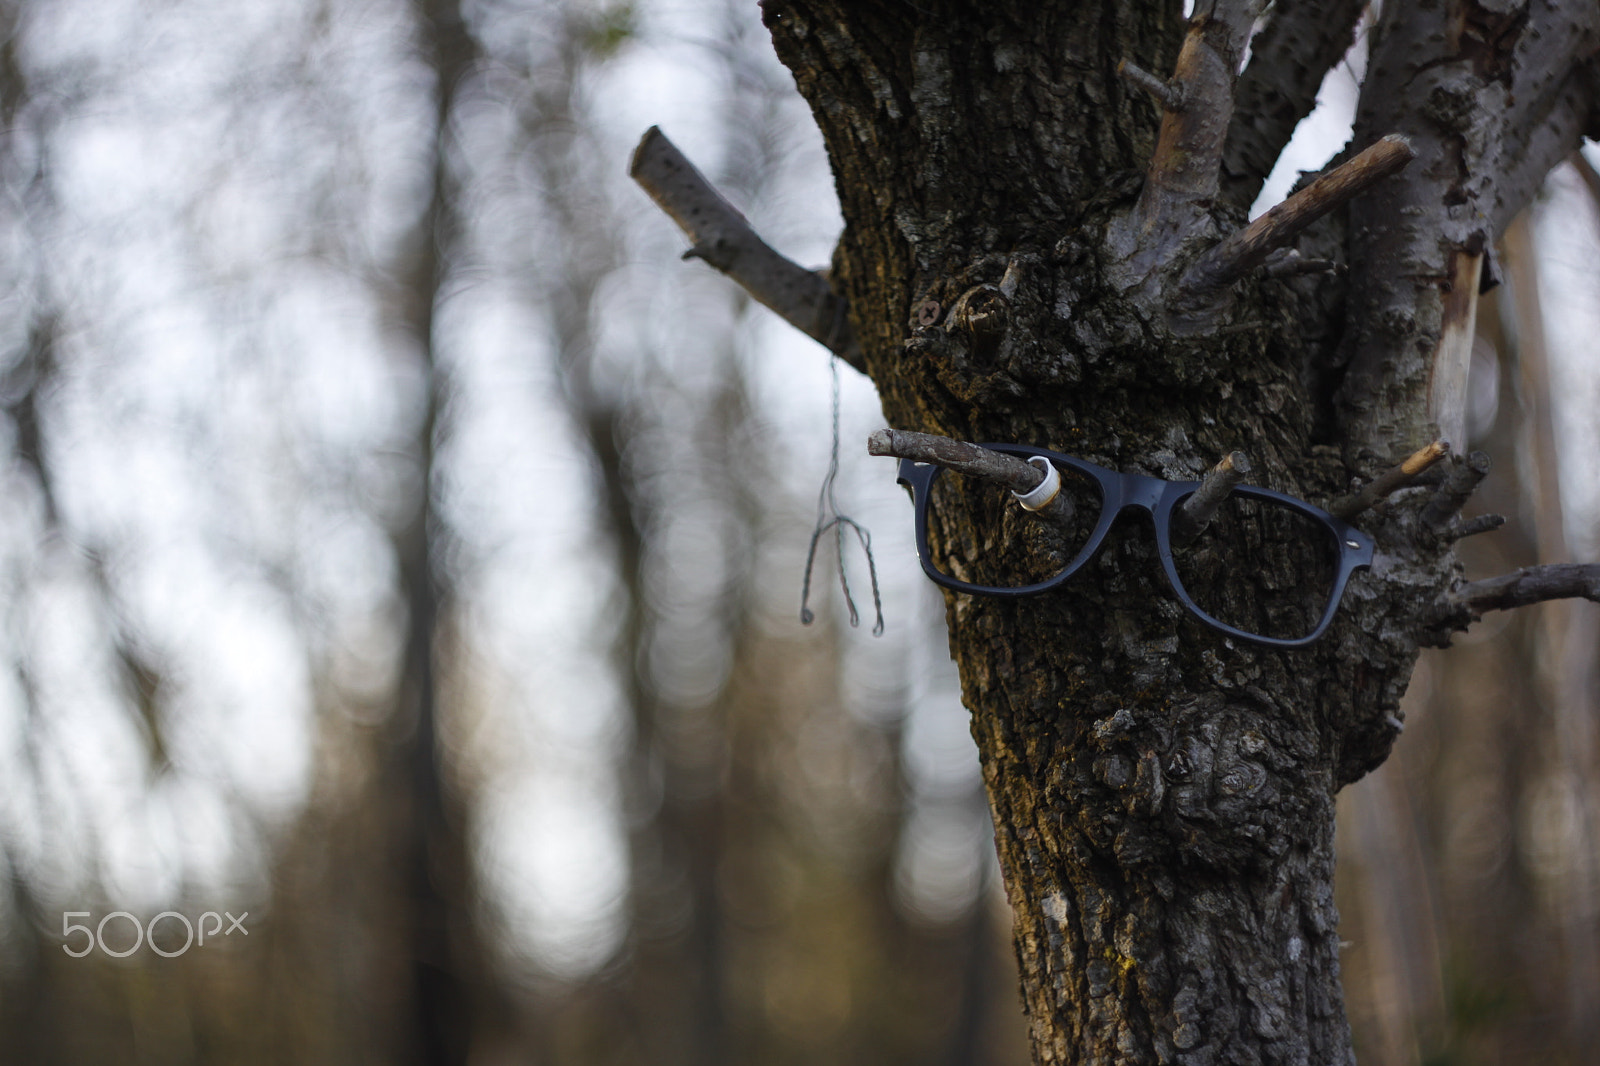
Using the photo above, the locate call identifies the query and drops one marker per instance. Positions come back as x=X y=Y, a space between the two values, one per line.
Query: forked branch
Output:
x=1249 y=247
x=1530 y=585
x=1181 y=182
x=721 y=236
x=1189 y=150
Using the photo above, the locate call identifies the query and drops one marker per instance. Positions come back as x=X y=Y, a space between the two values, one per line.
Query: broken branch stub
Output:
x=1459 y=483
x=1184 y=168
x=1168 y=93
x=1192 y=516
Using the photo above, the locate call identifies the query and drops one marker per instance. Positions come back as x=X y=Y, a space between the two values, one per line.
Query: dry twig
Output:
x=1394 y=478
x=1249 y=247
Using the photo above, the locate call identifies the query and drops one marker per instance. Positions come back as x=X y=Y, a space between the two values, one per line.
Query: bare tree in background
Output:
x=1471 y=852
x=448 y=969
x=721 y=963
x=374 y=952
x=373 y=921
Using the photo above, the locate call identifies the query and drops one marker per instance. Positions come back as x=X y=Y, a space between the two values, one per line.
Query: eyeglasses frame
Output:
x=1121 y=492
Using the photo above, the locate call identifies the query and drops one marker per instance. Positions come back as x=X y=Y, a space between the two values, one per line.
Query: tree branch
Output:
x=1169 y=94
x=1387 y=482
x=1008 y=471
x=1540 y=133
x=1290 y=263
x=1250 y=246
x=1300 y=43
x=721 y=236
x=1189 y=150
x=1190 y=520
x=1471 y=527
x=1557 y=90
x=1530 y=585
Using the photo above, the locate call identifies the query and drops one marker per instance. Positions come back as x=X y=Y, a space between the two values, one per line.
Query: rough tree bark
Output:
x=1044 y=244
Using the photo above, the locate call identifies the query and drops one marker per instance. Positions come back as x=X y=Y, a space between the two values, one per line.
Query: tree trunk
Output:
x=449 y=1000
x=1163 y=796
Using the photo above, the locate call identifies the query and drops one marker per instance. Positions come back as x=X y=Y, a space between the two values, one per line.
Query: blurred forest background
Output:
x=403 y=547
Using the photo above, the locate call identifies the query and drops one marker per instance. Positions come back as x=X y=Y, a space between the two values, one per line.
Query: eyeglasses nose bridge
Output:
x=1142 y=492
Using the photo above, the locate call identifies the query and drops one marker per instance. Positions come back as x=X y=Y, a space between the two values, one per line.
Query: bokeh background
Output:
x=402 y=547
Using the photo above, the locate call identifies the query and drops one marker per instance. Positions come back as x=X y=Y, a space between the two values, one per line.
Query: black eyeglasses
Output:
x=1231 y=574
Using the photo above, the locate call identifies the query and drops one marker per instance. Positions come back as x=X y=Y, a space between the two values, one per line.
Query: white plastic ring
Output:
x=1040 y=496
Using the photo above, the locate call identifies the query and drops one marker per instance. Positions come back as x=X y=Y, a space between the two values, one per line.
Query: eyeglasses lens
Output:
x=1261 y=567
x=978 y=534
